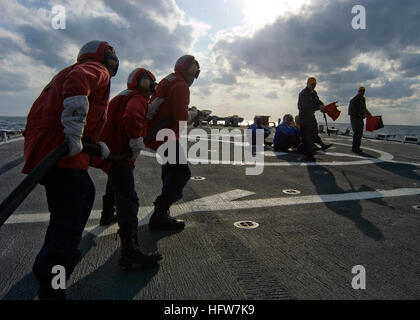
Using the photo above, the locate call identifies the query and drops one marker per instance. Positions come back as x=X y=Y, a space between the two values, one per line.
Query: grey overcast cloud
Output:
x=255 y=56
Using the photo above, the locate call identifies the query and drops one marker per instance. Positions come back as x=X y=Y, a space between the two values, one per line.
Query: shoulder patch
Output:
x=125 y=92
x=171 y=77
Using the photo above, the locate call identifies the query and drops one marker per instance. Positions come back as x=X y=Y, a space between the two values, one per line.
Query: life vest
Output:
x=175 y=91
x=44 y=130
x=115 y=131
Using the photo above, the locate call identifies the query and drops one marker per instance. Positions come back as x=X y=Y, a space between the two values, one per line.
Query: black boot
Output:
x=131 y=254
x=315 y=147
x=326 y=146
x=161 y=220
x=46 y=292
x=107 y=215
x=300 y=148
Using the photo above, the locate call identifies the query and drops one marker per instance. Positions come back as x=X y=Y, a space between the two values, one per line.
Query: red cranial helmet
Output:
x=142 y=77
x=188 y=64
x=93 y=50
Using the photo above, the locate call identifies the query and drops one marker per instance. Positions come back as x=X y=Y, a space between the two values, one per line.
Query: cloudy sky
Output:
x=255 y=55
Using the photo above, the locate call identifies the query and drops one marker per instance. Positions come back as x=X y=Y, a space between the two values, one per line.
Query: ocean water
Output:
x=393 y=131
x=12 y=123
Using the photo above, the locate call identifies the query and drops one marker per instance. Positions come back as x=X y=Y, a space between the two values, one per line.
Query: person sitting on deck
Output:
x=258 y=124
x=287 y=135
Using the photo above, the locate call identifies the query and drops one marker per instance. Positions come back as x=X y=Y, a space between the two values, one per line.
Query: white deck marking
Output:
x=384 y=156
x=226 y=201
x=11 y=140
x=404 y=162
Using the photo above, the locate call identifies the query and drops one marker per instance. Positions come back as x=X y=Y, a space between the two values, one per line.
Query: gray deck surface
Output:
x=304 y=248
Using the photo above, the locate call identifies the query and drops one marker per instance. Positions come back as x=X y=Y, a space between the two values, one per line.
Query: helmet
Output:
x=189 y=64
x=141 y=76
x=93 y=50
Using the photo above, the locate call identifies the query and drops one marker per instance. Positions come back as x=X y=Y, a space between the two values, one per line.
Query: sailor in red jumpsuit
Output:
x=72 y=108
x=175 y=92
x=123 y=133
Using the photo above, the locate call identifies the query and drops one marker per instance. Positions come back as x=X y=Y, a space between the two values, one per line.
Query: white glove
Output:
x=192 y=113
x=74 y=115
x=104 y=150
x=73 y=118
x=136 y=146
x=74 y=143
x=153 y=108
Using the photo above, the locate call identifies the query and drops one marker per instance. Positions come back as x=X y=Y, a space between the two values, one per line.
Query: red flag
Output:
x=332 y=110
x=374 y=123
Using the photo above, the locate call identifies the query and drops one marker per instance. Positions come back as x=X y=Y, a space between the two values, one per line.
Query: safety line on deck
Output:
x=227 y=201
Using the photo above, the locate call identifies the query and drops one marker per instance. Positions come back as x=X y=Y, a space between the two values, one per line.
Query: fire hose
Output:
x=12 y=202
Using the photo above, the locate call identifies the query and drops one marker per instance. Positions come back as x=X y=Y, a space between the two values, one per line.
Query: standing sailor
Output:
x=175 y=90
x=72 y=108
x=123 y=133
x=357 y=112
x=308 y=103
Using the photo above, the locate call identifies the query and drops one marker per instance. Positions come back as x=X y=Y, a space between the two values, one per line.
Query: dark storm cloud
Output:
x=43 y=45
x=321 y=41
x=393 y=90
x=10 y=81
x=8 y=46
x=139 y=31
x=343 y=92
x=135 y=35
x=364 y=72
x=144 y=38
x=344 y=84
x=410 y=65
